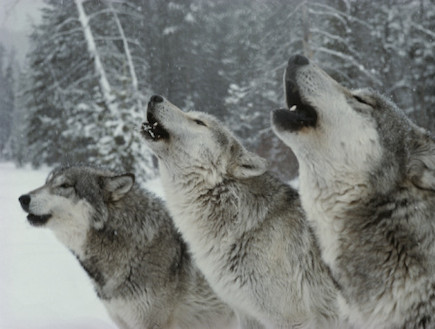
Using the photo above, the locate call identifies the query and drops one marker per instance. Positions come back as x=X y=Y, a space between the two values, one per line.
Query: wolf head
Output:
x=75 y=199
x=196 y=141
x=350 y=135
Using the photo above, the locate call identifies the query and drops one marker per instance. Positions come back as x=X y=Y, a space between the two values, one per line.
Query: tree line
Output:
x=93 y=65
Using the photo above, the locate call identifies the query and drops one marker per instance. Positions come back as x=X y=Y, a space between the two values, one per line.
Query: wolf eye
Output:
x=199 y=122
x=65 y=185
x=359 y=99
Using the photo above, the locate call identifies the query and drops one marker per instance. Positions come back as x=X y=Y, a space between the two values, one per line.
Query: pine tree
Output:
x=7 y=99
x=18 y=145
x=386 y=46
x=222 y=57
x=262 y=42
x=86 y=100
x=58 y=79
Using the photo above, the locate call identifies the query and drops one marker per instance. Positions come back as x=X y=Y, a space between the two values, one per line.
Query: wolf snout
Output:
x=24 y=201
x=290 y=84
x=298 y=60
x=156 y=99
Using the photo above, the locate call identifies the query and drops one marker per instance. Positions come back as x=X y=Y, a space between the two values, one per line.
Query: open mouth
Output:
x=298 y=115
x=38 y=220
x=152 y=129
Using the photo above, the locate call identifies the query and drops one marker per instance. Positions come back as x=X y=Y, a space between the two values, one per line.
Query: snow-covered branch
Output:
x=339 y=15
x=351 y=60
x=424 y=30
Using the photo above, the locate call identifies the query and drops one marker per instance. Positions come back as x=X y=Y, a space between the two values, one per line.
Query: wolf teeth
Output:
x=148 y=129
x=155 y=124
x=293 y=108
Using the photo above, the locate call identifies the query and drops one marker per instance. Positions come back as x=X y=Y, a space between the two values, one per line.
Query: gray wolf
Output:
x=125 y=240
x=367 y=183
x=245 y=228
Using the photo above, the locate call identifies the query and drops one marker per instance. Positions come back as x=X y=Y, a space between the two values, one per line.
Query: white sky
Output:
x=16 y=19
x=18 y=15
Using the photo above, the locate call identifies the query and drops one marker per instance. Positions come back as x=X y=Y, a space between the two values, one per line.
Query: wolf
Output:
x=367 y=184
x=246 y=229
x=125 y=240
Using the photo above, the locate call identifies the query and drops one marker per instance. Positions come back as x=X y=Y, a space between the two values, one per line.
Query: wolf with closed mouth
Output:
x=245 y=228
x=125 y=240
x=367 y=183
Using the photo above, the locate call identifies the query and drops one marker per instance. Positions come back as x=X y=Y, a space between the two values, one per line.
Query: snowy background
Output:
x=75 y=76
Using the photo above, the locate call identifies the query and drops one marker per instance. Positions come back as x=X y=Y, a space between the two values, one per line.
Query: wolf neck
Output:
x=331 y=185
x=204 y=212
x=105 y=253
x=73 y=236
x=326 y=200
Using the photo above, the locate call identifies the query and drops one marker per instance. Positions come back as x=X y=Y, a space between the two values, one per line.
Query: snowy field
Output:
x=41 y=284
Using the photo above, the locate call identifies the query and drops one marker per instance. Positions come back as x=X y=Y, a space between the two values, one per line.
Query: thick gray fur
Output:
x=141 y=269
x=245 y=228
x=368 y=186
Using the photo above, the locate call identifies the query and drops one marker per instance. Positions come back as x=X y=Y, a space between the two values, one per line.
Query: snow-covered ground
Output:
x=41 y=283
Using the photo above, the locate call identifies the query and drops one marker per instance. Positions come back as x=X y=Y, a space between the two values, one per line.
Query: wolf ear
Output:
x=247 y=164
x=118 y=186
x=421 y=169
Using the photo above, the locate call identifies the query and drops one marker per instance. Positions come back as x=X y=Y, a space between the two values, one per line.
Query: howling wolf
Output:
x=245 y=228
x=125 y=240
x=367 y=182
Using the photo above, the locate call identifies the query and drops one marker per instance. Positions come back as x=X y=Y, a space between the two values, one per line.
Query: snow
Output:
x=155 y=186
x=294 y=183
x=170 y=30
x=189 y=18
x=16 y=21
x=41 y=283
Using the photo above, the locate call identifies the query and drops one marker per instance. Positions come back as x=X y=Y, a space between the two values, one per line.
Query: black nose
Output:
x=25 y=201
x=298 y=60
x=156 y=99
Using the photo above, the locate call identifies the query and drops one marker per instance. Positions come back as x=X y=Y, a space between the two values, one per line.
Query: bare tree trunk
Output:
x=106 y=90
x=134 y=81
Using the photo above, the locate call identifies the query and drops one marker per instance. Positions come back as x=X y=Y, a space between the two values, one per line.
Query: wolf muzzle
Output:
x=299 y=114
x=25 y=202
x=35 y=220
